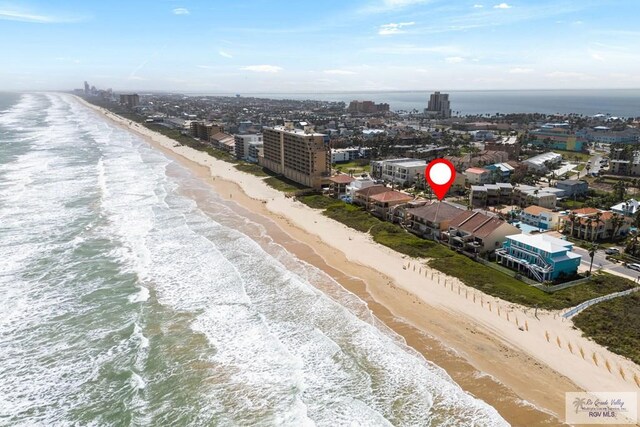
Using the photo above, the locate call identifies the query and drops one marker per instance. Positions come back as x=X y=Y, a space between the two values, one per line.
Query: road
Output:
x=600 y=261
x=594 y=162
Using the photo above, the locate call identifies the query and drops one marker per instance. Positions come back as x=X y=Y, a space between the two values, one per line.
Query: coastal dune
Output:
x=537 y=355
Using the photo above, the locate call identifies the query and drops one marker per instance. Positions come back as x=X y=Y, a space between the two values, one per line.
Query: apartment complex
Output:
x=542 y=218
x=594 y=224
x=130 y=100
x=491 y=195
x=367 y=107
x=477 y=233
x=299 y=154
x=542 y=163
x=403 y=172
x=248 y=146
x=438 y=106
x=203 y=131
x=558 y=138
x=429 y=221
x=539 y=256
x=509 y=145
x=625 y=162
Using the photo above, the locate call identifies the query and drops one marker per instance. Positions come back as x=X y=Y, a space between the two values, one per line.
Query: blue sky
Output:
x=325 y=45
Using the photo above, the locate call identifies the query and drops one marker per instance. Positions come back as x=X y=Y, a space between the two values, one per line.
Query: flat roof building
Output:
x=299 y=154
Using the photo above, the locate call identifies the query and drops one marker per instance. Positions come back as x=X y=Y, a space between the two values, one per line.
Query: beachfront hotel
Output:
x=301 y=155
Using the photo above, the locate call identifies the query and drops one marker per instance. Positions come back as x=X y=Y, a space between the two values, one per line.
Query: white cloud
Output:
x=519 y=70
x=597 y=56
x=411 y=49
x=23 y=16
x=225 y=54
x=394 y=28
x=478 y=6
x=340 y=72
x=262 y=68
x=181 y=11
x=454 y=59
x=502 y=6
x=390 y=5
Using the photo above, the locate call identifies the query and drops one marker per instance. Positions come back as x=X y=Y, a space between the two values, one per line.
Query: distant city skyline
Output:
x=276 y=46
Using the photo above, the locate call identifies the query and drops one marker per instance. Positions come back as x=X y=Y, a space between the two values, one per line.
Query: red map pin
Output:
x=440 y=174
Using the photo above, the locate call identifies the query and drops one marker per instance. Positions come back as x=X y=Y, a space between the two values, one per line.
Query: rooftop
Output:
x=476 y=170
x=342 y=179
x=392 y=196
x=536 y=210
x=543 y=242
x=435 y=212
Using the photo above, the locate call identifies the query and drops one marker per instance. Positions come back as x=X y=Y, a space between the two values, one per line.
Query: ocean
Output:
x=617 y=102
x=125 y=300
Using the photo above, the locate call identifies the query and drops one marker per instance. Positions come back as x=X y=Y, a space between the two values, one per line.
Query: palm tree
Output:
x=593 y=248
x=597 y=220
x=620 y=190
x=616 y=222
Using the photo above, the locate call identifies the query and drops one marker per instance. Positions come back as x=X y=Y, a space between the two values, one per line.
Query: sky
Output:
x=319 y=46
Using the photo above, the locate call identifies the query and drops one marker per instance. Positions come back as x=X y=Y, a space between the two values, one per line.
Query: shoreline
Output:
x=536 y=363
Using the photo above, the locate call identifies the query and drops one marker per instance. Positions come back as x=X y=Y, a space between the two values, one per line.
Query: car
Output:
x=634 y=266
x=612 y=251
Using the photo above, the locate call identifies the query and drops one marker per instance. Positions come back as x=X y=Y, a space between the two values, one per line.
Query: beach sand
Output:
x=519 y=362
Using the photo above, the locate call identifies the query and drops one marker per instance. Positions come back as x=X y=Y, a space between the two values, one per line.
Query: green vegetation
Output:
x=489 y=280
x=573 y=155
x=355 y=166
x=283 y=184
x=614 y=324
x=253 y=169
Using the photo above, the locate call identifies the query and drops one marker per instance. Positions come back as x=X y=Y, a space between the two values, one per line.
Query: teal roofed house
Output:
x=539 y=256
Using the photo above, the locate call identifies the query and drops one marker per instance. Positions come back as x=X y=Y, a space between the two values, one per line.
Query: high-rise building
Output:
x=130 y=100
x=367 y=107
x=439 y=106
x=87 y=88
x=299 y=154
x=204 y=131
x=243 y=144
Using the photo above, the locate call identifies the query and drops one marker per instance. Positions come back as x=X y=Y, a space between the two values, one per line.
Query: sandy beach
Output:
x=518 y=361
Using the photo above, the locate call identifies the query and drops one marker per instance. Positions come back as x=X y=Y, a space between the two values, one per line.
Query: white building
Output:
x=543 y=162
x=628 y=208
x=243 y=142
x=356 y=185
x=399 y=171
x=343 y=155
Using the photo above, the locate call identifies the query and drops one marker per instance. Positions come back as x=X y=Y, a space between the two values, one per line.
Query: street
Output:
x=600 y=261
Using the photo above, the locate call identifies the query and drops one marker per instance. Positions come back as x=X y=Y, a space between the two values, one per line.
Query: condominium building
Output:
x=299 y=154
x=491 y=195
x=477 y=233
x=130 y=100
x=542 y=218
x=509 y=145
x=477 y=175
x=367 y=107
x=203 y=131
x=439 y=106
x=403 y=172
x=243 y=142
x=539 y=256
x=594 y=224
x=542 y=163
x=428 y=221
x=558 y=138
